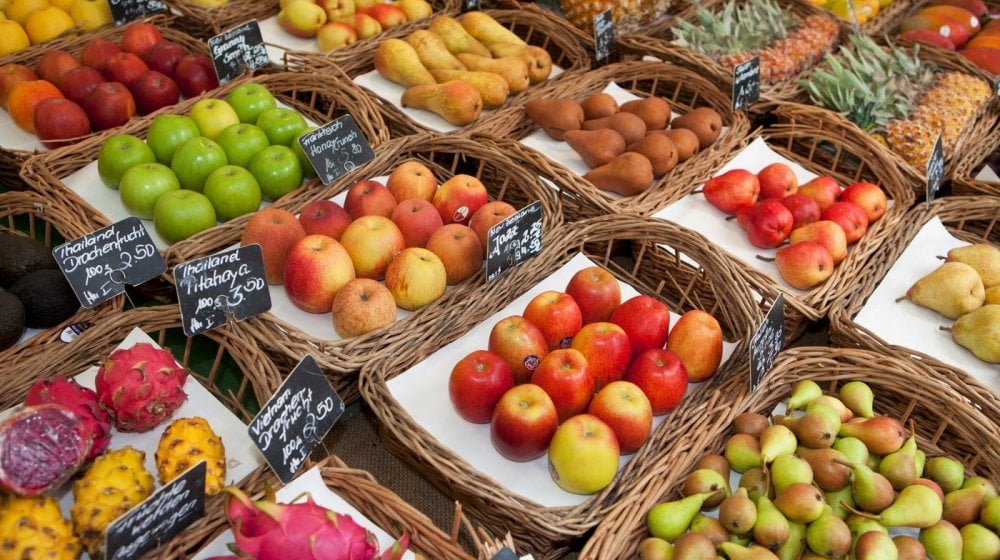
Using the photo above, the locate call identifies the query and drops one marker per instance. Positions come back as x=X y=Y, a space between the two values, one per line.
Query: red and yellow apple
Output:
x=417 y=219
x=412 y=179
x=372 y=241
x=476 y=384
x=646 y=321
x=596 y=291
x=276 y=231
x=624 y=407
x=415 y=277
x=458 y=248
x=583 y=455
x=316 y=268
x=557 y=315
x=697 y=340
x=362 y=306
x=487 y=216
x=458 y=198
x=661 y=376
x=520 y=344
x=369 y=198
x=523 y=423
x=325 y=217
x=607 y=349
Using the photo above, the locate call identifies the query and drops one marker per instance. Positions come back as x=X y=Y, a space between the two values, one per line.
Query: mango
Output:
x=928 y=37
x=987 y=59
x=946 y=27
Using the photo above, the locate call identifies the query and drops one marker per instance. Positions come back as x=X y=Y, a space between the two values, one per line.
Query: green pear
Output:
x=801 y=502
x=973 y=481
x=771 y=527
x=990 y=514
x=652 y=548
x=874 y=545
x=776 y=440
x=900 y=466
x=829 y=536
x=715 y=462
x=858 y=397
x=707 y=480
x=693 y=546
x=916 y=506
x=793 y=548
x=942 y=541
x=834 y=403
x=921 y=462
x=817 y=428
x=841 y=501
x=949 y=473
x=753 y=552
x=789 y=469
x=742 y=452
x=983 y=257
x=803 y=393
x=872 y=491
x=979 y=332
x=757 y=483
x=852 y=448
x=670 y=520
x=861 y=524
x=979 y=543
x=710 y=527
x=962 y=506
x=953 y=289
x=828 y=474
x=737 y=513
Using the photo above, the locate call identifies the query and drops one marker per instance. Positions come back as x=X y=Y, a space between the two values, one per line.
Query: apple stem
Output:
x=699 y=191
x=730 y=218
x=767 y=259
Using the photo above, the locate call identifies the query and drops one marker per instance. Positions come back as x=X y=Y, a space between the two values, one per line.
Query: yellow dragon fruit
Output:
x=115 y=483
x=140 y=387
x=35 y=528
x=187 y=441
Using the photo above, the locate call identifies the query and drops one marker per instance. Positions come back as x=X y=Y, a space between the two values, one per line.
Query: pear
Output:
x=750 y=423
x=979 y=332
x=397 y=61
x=555 y=116
x=828 y=474
x=979 y=543
x=670 y=520
x=801 y=502
x=909 y=548
x=872 y=491
x=858 y=397
x=916 y=506
x=742 y=452
x=983 y=257
x=900 y=466
x=816 y=429
x=539 y=60
x=874 y=545
x=456 y=101
x=962 y=506
x=753 y=552
x=715 y=462
x=974 y=481
x=992 y=295
x=942 y=541
x=659 y=150
x=834 y=403
x=852 y=448
x=990 y=514
x=789 y=469
x=654 y=111
x=599 y=105
x=710 y=527
x=628 y=174
x=652 y=548
x=771 y=527
x=301 y=18
x=947 y=472
x=829 y=536
x=776 y=440
x=953 y=289
x=432 y=51
x=793 y=548
x=628 y=125
x=738 y=513
x=803 y=393
x=488 y=30
x=755 y=480
x=595 y=147
x=707 y=481
x=693 y=546
x=841 y=501
x=493 y=89
x=455 y=37
x=512 y=68
x=881 y=434
x=861 y=524
x=705 y=122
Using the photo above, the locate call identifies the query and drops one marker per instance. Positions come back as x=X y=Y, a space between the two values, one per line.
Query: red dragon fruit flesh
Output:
x=82 y=401
x=40 y=448
x=140 y=387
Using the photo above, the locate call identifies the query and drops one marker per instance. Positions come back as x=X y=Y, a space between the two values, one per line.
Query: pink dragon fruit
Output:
x=140 y=387
x=40 y=448
x=82 y=401
x=266 y=530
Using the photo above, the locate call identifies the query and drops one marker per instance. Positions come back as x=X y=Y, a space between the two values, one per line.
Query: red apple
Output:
x=607 y=349
x=557 y=315
x=661 y=375
x=78 y=82
x=825 y=232
x=769 y=224
x=372 y=242
x=276 y=231
x=109 y=105
x=804 y=209
x=824 y=190
x=731 y=190
x=565 y=376
x=458 y=248
x=520 y=344
x=487 y=216
x=97 y=51
x=153 y=91
x=597 y=293
x=411 y=179
x=59 y=122
x=125 y=67
x=12 y=74
x=139 y=37
x=646 y=321
x=367 y=198
x=777 y=180
x=53 y=64
x=849 y=216
x=476 y=384
x=325 y=217
x=387 y=15
x=458 y=198
x=418 y=220
x=804 y=265
x=624 y=407
x=697 y=339
x=869 y=197
x=523 y=423
x=164 y=56
x=316 y=268
x=195 y=74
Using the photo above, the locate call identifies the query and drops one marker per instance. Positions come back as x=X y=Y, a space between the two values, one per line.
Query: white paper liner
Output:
x=987 y=175
x=422 y=392
x=277 y=41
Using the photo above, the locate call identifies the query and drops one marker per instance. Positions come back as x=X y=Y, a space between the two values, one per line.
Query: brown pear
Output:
x=555 y=116
x=599 y=105
x=492 y=88
x=628 y=174
x=456 y=101
x=750 y=423
x=398 y=61
x=659 y=150
x=654 y=111
x=684 y=140
x=432 y=51
x=539 y=60
x=705 y=122
x=595 y=147
x=715 y=462
x=455 y=37
x=512 y=68
x=628 y=125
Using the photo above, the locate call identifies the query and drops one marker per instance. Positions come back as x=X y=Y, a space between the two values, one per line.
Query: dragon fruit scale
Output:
x=140 y=387
x=267 y=530
x=82 y=401
x=40 y=448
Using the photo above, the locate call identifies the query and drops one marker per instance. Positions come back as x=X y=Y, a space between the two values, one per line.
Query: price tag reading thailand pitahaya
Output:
x=227 y=285
x=767 y=342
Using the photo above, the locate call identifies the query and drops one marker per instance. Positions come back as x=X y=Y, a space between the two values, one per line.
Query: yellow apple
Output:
x=91 y=14
x=415 y=277
x=583 y=455
x=372 y=241
x=362 y=306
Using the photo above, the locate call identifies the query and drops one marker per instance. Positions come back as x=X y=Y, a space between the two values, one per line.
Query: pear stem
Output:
x=901 y=298
x=763 y=258
x=858 y=512
x=941 y=257
x=944 y=328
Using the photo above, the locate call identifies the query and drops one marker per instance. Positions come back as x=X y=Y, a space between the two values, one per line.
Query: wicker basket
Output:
x=536 y=28
x=360 y=490
x=548 y=532
x=343 y=359
x=11 y=159
x=971 y=219
x=685 y=90
x=969 y=163
x=32 y=214
x=904 y=389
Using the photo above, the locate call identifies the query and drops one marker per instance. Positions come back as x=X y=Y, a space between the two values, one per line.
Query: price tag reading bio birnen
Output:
x=336 y=148
x=767 y=342
x=213 y=289
x=514 y=240
x=239 y=49
x=124 y=11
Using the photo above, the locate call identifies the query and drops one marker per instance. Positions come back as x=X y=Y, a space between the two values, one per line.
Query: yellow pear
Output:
x=432 y=51
x=492 y=87
x=992 y=295
x=487 y=30
x=456 y=101
x=399 y=62
x=953 y=289
x=511 y=68
x=979 y=332
x=455 y=37
x=538 y=59
x=983 y=257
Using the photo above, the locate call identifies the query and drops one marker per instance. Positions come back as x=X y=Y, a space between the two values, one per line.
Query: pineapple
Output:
x=187 y=441
x=628 y=15
x=35 y=528
x=115 y=483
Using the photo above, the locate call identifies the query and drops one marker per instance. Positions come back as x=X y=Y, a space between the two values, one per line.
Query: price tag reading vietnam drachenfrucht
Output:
x=336 y=148
x=124 y=11
x=239 y=49
x=517 y=238
x=296 y=418
x=767 y=342
x=212 y=289
x=160 y=517
x=935 y=171
x=604 y=35
x=746 y=84
x=100 y=264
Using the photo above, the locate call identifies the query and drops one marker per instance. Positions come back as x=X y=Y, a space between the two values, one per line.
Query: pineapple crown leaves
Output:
x=734 y=29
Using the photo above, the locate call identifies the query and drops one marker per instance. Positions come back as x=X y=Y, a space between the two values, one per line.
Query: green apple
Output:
x=242 y=141
x=249 y=101
x=281 y=125
x=118 y=153
x=167 y=132
x=307 y=169
x=180 y=214
x=277 y=170
x=143 y=184
x=195 y=159
x=213 y=116
x=233 y=192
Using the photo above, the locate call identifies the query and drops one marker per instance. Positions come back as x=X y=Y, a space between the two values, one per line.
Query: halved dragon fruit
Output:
x=40 y=448
x=140 y=387
x=82 y=401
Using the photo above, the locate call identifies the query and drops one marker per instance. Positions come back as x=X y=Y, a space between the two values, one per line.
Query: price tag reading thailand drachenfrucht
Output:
x=296 y=418
x=239 y=49
x=100 y=264
x=212 y=289
x=767 y=342
x=935 y=171
x=336 y=148
x=124 y=11
x=514 y=240
x=604 y=35
x=746 y=84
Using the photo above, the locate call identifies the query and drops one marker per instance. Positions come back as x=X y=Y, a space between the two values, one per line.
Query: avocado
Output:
x=47 y=297
x=11 y=319
x=21 y=255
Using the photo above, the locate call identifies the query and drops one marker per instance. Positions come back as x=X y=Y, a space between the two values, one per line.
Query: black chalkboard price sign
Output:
x=336 y=148
x=124 y=11
x=227 y=284
x=514 y=240
x=297 y=417
x=935 y=171
x=241 y=48
x=853 y=16
x=158 y=518
x=746 y=84
x=767 y=342
x=100 y=264
x=996 y=85
x=505 y=554
x=470 y=5
x=604 y=35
